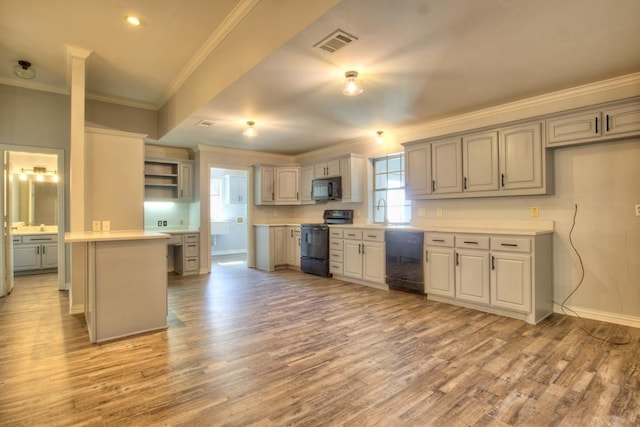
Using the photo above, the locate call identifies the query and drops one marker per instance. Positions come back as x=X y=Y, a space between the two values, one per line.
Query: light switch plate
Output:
x=106 y=225
x=637 y=210
x=534 y=211
x=95 y=225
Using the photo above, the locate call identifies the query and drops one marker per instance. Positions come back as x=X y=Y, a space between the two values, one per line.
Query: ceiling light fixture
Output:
x=133 y=20
x=351 y=86
x=379 y=137
x=250 y=131
x=24 y=70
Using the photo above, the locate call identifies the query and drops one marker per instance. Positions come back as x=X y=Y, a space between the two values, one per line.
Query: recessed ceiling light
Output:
x=133 y=20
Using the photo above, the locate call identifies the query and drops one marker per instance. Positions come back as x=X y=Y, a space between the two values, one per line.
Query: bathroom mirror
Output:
x=34 y=202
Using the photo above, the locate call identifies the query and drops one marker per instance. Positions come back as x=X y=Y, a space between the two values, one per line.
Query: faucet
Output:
x=386 y=219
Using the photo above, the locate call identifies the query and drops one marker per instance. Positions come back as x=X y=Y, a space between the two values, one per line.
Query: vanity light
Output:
x=250 y=131
x=40 y=172
x=379 y=137
x=351 y=86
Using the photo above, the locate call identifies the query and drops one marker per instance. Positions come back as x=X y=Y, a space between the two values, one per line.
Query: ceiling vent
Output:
x=205 y=123
x=335 y=41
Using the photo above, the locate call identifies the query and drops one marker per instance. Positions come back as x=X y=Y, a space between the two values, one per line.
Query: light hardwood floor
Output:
x=245 y=347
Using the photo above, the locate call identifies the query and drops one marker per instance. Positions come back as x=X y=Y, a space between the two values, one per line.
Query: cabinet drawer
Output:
x=373 y=235
x=510 y=244
x=336 y=244
x=435 y=239
x=191 y=250
x=353 y=234
x=336 y=233
x=175 y=239
x=190 y=238
x=472 y=242
x=191 y=264
x=17 y=240
x=336 y=268
x=336 y=256
x=45 y=238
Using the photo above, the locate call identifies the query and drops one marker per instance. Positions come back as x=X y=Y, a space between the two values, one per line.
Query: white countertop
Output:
x=525 y=228
x=171 y=230
x=279 y=225
x=105 y=236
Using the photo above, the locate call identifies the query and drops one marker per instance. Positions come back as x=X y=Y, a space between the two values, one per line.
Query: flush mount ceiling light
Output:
x=23 y=70
x=379 y=137
x=250 y=131
x=133 y=20
x=351 y=85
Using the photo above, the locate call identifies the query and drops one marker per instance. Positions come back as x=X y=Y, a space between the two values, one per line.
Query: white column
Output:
x=76 y=59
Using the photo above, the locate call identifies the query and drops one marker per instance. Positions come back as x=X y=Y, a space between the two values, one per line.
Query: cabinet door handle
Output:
x=291 y=233
x=493 y=262
x=298 y=241
x=433 y=185
x=502 y=180
x=457 y=260
x=273 y=196
x=363 y=248
x=43 y=250
x=359 y=249
x=596 y=125
x=37 y=250
x=465 y=183
x=607 y=123
x=426 y=256
x=181 y=193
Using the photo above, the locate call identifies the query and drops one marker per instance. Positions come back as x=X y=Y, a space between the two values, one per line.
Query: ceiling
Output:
x=418 y=60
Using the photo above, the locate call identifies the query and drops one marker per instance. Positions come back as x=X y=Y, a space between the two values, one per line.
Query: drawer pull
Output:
x=438 y=240
x=607 y=123
x=470 y=243
x=351 y=235
x=372 y=236
x=512 y=245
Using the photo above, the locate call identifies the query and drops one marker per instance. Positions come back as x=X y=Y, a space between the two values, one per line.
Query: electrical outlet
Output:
x=95 y=225
x=159 y=223
x=439 y=212
x=637 y=210
x=164 y=223
x=534 y=211
x=106 y=225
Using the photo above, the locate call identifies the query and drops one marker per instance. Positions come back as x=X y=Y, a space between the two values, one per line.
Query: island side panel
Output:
x=130 y=287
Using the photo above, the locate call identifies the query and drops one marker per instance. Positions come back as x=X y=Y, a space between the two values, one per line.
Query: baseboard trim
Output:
x=229 y=252
x=76 y=309
x=603 y=316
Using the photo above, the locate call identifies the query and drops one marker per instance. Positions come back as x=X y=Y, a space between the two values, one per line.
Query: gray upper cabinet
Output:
x=185 y=181
x=168 y=179
x=418 y=170
x=521 y=152
x=598 y=124
x=446 y=165
x=480 y=162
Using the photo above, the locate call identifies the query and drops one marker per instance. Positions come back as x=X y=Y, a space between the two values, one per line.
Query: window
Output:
x=388 y=190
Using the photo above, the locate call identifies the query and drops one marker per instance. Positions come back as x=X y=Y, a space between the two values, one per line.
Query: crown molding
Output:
x=265 y=156
x=112 y=132
x=94 y=96
x=575 y=97
x=222 y=31
x=30 y=84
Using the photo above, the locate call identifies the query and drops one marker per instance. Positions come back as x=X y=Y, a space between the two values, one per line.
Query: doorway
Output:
x=33 y=217
x=228 y=209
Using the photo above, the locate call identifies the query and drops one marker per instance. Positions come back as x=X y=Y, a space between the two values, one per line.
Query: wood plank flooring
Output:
x=245 y=347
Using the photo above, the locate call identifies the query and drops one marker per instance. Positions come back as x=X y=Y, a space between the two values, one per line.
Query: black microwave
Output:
x=326 y=188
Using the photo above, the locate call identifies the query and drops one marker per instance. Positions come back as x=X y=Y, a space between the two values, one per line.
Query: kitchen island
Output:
x=126 y=282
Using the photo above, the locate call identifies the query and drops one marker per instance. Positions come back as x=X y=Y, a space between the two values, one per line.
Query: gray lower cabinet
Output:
x=35 y=253
x=183 y=253
x=509 y=275
x=277 y=246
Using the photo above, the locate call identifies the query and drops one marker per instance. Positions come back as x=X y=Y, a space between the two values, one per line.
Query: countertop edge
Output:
x=105 y=236
x=450 y=229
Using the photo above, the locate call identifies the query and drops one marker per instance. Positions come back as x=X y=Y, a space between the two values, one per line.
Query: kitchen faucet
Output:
x=386 y=219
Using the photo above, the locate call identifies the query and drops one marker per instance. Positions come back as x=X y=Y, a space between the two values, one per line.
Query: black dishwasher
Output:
x=404 y=261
